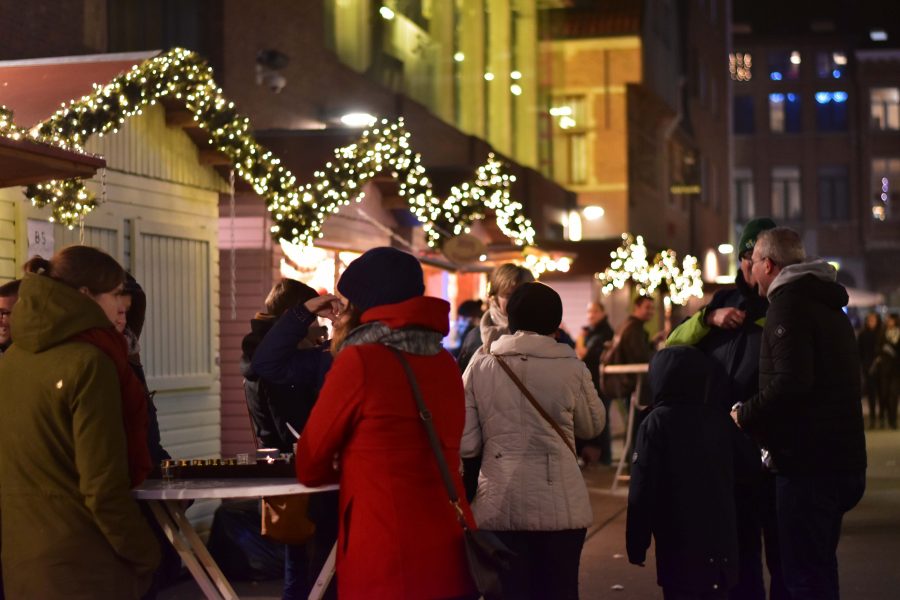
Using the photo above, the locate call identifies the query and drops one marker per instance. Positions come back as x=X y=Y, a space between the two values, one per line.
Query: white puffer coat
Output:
x=529 y=480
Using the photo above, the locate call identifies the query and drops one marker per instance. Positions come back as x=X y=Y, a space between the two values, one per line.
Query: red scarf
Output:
x=134 y=399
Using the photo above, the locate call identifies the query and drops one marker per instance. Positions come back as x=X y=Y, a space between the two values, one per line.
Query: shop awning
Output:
x=23 y=162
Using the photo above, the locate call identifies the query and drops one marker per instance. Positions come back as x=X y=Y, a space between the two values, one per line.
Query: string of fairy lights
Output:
x=630 y=264
x=298 y=210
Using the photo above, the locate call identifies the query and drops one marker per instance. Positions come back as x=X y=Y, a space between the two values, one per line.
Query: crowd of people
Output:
x=749 y=429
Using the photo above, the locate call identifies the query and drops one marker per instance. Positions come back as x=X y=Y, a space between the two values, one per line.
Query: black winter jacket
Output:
x=683 y=470
x=808 y=411
x=595 y=339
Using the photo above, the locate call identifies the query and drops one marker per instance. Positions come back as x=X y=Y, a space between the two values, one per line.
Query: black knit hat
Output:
x=534 y=307
x=381 y=276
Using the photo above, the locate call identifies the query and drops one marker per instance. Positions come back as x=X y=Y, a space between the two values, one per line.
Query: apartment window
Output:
x=570 y=138
x=784 y=65
x=740 y=66
x=885 y=184
x=744 y=195
x=786 y=203
x=831 y=111
x=743 y=114
x=885 y=108
x=834 y=194
x=831 y=65
x=784 y=113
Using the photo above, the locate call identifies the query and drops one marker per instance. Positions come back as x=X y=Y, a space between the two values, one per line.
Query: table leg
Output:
x=628 y=435
x=190 y=547
x=325 y=575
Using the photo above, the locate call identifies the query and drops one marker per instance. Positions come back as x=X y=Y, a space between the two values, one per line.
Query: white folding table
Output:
x=637 y=369
x=165 y=500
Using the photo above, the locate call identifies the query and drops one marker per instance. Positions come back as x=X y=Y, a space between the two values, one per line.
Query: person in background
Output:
x=74 y=443
x=130 y=323
x=729 y=330
x=868 y=342
x=9 y=294
x=399 y=536
x=683 y=469
x=468 y=316
x=808 y=411
x=888 y=370
x=503 y=282
x=589 y=347
x=530 y=490
x=276 y=404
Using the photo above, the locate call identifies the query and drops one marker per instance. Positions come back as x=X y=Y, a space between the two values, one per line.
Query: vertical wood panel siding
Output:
x=105 y=239
x=178 y=298
x=8 y=199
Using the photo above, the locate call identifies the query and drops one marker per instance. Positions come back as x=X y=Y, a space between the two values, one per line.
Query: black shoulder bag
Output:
x=487 y=556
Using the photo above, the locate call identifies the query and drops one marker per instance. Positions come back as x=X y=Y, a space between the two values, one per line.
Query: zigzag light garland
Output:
x=298 y=211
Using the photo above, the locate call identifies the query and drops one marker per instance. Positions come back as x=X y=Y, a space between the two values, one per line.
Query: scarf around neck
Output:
x=412 y=340
x=134 y=400
x=493 y=324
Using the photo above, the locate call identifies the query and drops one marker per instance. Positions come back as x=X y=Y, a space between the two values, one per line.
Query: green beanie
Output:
x=751 y=231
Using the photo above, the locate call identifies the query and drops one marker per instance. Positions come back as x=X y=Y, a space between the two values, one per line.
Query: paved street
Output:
x=868 y=551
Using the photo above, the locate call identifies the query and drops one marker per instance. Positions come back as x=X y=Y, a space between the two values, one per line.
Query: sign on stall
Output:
x=40 y=238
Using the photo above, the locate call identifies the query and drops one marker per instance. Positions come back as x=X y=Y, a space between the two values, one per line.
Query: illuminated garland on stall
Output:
x=298 y=210
x=383 y=148
x=490 y=190
x=630 y=264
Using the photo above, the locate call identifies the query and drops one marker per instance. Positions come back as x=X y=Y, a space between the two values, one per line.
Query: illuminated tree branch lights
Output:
x=629 y=263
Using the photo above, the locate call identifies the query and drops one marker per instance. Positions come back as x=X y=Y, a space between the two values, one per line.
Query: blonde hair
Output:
x=507 y=278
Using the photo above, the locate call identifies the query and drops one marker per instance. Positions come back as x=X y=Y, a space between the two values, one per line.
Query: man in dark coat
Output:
x=589 y=347
x=808 y=410
x=729 y=331
x=682 y=480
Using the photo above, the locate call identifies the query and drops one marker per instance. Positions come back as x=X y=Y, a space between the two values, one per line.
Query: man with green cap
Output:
x=729 y=330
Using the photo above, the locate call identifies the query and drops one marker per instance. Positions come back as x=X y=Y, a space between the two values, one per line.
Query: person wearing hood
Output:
x=530 y=489
x=73 y=438
x=808 y=410
x=686 y=458
x=399 y=536
x=729 y=331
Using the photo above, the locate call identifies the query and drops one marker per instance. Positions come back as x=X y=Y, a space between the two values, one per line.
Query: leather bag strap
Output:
x=433 y=440
x=535 y=403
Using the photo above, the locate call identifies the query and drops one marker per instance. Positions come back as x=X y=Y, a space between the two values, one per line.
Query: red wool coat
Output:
x=399 y=536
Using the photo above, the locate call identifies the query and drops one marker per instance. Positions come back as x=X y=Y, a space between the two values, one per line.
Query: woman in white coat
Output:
x=530 y=488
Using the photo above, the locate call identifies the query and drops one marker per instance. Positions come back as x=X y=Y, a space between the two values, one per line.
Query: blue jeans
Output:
x=810 y=509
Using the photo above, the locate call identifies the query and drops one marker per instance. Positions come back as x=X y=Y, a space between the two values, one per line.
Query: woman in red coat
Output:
x=399 y=535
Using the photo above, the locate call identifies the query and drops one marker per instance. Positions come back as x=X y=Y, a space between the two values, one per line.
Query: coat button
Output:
x=711 y=561
x=715 y=586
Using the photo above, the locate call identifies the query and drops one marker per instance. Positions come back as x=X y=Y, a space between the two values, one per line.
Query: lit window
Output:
x=784 y=65
x=831 y=111
x=784 y=113
x=830 y=65
x=744 y=194
x=786 y=202
x=885 y=182
x=885 y=109
x=740 y=66
x=570 y=139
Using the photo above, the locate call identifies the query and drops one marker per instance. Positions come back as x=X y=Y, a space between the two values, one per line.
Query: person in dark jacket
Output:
x=589 y=347
x=278 y=403
x=808 y=411
x=868 y=353
x=729 y=331
x=468 y=316
x=682 y=480
x=887 y=370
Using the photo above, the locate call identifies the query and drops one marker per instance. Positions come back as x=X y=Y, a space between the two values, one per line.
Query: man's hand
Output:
x=726 y=318
x=326 y=305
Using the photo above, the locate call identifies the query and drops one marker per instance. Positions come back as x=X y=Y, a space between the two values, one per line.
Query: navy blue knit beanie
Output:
x=382 y=276
x=534 y=307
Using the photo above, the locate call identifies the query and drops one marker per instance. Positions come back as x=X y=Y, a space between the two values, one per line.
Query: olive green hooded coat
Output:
x=70 y=526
